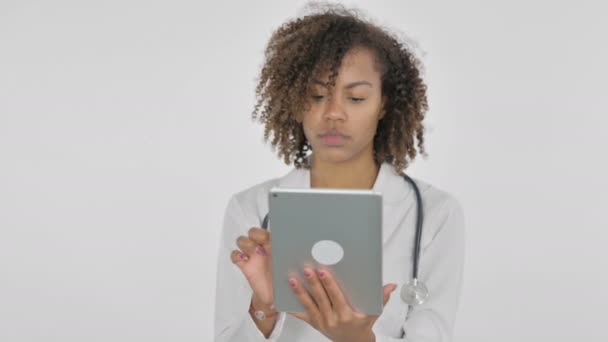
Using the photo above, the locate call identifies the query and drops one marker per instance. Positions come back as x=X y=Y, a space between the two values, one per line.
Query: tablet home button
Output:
x=327 y=252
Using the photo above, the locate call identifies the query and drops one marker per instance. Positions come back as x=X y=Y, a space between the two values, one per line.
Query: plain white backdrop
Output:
x=125 y=127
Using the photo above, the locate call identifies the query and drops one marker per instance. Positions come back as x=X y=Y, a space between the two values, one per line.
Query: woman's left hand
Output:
x=329 y=311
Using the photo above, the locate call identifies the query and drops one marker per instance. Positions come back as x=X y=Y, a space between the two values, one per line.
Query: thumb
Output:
x=386 y=292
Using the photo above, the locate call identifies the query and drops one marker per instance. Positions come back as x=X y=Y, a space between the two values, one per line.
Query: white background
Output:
x=125 y=127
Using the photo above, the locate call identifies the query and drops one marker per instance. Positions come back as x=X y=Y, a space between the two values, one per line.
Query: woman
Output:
x=337 y=86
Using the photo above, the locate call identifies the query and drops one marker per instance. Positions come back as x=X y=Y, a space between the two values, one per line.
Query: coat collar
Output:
x=389 y=183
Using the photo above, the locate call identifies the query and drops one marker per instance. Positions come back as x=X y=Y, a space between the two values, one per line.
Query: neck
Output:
x=358 y=173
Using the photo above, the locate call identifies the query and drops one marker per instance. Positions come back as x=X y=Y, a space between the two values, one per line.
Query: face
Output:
x=340 y=124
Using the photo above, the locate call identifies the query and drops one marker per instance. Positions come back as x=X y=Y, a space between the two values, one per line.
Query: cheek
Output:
x=310 y=121
x=308 y=132
x=365 y=126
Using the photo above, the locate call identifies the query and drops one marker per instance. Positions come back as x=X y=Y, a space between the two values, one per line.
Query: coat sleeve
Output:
x=441 y=269
x=232 y=321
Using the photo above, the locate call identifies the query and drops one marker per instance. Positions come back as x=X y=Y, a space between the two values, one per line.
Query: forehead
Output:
x=357 y=64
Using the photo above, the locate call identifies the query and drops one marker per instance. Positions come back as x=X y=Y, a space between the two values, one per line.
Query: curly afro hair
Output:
x=302 y=49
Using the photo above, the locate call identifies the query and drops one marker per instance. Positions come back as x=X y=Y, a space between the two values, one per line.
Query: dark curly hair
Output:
x=303 y=48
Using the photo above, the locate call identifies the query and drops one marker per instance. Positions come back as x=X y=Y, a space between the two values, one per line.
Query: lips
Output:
x=333 y=138
x=333 y=132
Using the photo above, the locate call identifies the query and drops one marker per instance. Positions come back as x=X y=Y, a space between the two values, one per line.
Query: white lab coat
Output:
x=441 y=263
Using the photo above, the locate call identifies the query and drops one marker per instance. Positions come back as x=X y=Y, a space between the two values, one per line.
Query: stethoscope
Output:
x=414 y=292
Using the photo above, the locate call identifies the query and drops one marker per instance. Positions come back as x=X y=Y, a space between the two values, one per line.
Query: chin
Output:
x=333 y=154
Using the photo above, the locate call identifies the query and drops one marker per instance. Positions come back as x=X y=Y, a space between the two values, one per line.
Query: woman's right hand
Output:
x=253 y=259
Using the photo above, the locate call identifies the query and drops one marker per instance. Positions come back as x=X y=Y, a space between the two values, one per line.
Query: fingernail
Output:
x=243 y=257
x=292 y=282
x=321 y=274
x=307 y=273
x=260 y=251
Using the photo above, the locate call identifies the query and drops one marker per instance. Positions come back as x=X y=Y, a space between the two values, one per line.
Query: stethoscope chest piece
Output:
x=414 y=292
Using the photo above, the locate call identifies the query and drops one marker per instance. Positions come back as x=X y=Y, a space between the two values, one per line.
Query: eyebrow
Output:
x=348 y=86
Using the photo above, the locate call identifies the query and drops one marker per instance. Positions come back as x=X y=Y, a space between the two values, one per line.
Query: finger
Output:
x=261 y=237
x=334 y=292
x=318 y=292
x=386 y=292
x=302 y=295
x=238 y=258
x=246 y=245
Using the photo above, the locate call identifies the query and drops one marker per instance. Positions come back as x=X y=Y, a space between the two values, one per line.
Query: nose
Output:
x=334 y=109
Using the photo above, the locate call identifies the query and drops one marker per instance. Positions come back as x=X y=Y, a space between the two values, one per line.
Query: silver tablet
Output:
x=340 y=229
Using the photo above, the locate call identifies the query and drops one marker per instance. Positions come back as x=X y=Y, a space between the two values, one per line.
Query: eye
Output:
x=357 y=99
x=317 y=97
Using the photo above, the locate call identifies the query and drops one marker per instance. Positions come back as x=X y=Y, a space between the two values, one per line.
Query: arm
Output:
x=441 y=268
x=233 y=321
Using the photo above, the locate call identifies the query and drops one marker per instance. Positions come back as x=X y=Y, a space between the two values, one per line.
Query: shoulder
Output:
x=245 y=209
x=437 y=199
x=250 y=196
x=252 y=202
x=442 y=210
